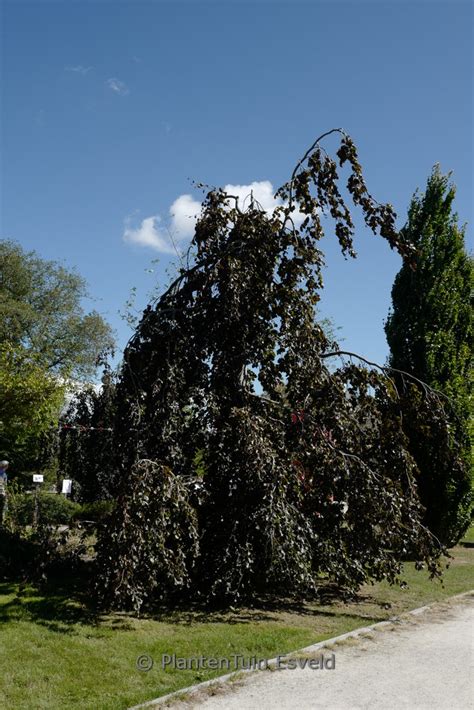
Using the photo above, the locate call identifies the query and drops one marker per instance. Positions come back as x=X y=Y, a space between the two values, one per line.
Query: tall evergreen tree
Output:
x=429 y=331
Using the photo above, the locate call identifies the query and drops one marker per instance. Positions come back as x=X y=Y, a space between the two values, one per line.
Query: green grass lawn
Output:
x=55 y=655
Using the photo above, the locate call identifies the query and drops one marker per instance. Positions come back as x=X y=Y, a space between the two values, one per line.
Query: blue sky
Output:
x=111 y=110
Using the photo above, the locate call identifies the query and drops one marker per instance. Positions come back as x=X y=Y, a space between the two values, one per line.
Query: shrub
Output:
x=53 y=509
x=96 y=511
x=43 y=554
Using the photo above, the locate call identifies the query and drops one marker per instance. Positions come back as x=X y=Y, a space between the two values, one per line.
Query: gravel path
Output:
x=425 y=662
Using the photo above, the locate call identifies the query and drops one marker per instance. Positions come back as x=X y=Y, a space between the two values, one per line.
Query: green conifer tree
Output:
x=429 y=331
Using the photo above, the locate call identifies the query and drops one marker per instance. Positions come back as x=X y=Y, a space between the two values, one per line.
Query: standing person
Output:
x=3 y=489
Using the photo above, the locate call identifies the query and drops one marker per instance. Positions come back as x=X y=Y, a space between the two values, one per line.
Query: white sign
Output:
x=67 y=486
x=37 y=478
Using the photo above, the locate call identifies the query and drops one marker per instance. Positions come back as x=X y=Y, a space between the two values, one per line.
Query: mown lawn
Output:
x=55 y=655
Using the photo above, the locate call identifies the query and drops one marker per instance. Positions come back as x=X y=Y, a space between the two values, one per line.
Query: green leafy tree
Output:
x=46 y=340
x=308 y=483
x=41 y=311
x=429 y=331
x=30 y=402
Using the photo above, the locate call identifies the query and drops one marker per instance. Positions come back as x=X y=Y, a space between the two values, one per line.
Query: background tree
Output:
x=41 y=310
x=429 y=331
x=86 y=453
x=306 y=484
x=30 y=402
x=46 y=341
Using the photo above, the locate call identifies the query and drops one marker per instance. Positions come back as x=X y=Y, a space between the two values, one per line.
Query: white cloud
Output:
x=151 y=233
x=184 y=213
x=148 y=234
x=78 y=69
x=262 y=193
x=117 y=86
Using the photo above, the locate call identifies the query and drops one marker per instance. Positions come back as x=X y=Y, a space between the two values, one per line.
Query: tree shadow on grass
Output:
x=64 y=605
x=58 y=605
x=249 y=617
x=328 y=603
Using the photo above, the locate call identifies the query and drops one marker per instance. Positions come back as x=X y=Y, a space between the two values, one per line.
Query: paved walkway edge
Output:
x=308 y=649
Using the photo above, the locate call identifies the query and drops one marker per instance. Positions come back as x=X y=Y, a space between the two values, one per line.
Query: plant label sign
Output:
x=38 y=478
x=67 y=486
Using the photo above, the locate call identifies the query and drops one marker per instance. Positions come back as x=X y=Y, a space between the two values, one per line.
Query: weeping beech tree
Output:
x=248 y=465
